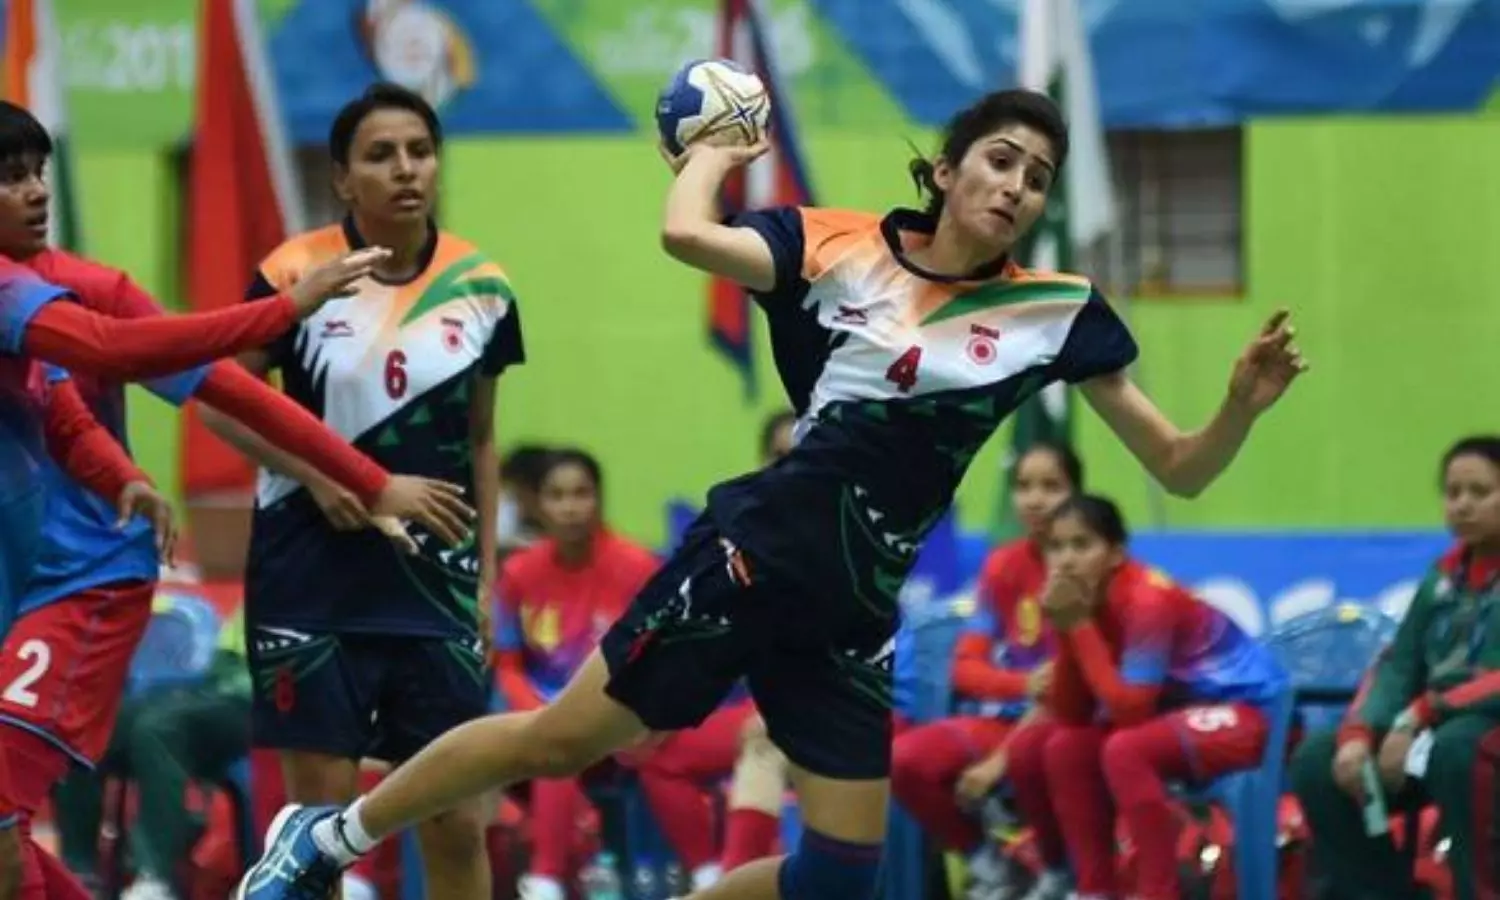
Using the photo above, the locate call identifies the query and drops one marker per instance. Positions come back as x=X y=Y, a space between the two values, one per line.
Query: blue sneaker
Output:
x=292 y=867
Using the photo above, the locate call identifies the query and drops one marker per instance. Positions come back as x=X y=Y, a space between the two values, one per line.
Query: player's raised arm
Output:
x=691 y=231
x=70 y=336
x=1185 y=464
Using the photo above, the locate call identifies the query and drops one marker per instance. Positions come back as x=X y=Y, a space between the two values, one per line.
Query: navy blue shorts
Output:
x=820 y=678
x=356 y=696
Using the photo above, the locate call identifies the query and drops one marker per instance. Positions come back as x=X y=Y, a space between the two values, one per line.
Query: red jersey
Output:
x=550 y=617
x=1007 y=637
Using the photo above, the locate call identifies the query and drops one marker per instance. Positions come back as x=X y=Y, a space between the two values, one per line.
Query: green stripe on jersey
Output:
x=992 y=296
x=450 y=286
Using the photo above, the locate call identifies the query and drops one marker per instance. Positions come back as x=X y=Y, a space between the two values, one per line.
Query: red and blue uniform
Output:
x=1175 y=690
x=1003 y=642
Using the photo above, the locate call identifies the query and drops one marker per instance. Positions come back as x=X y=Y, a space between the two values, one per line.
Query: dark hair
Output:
x=1100 y=514
x=773 y=425
x=1486 y=446
x=378 y=96
x=21 y=133
x=1067 y=460
x=573 y=456
x=992 y=111
x=525 y=465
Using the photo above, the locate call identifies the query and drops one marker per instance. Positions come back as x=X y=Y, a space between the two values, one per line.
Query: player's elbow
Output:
x=683 y=241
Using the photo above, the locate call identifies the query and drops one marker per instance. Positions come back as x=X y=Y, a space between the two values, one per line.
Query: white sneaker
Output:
x=147 y=888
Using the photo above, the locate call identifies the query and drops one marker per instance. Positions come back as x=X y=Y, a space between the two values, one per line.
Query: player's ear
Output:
x=340 y=181
x=943 y=174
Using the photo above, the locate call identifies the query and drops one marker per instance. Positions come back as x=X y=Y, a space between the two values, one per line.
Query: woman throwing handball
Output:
x=903 y=342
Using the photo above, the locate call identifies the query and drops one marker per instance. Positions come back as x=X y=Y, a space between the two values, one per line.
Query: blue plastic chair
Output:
x=1321 y=651
x=934 y=631
x=236 y=783
x=179 y=643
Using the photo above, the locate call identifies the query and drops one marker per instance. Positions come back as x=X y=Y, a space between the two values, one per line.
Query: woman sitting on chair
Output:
x=1149 y=685
x=1428 y=728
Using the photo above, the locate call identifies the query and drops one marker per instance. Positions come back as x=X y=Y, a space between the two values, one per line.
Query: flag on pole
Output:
x=243 y=200
x=777 y=179
x=33 y=79
x=1055 y=58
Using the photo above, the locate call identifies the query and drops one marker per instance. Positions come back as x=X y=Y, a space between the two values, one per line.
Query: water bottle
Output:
x=643 y=881
x=601 y=880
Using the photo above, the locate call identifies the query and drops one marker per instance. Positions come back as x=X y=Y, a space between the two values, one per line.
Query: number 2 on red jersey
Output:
x=903 y=372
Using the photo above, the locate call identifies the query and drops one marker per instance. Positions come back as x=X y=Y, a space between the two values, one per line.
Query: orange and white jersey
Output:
x=899 y=376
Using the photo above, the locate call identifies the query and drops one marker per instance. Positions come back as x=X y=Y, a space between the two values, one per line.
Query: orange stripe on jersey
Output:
x=285 y=265
x=829 y=235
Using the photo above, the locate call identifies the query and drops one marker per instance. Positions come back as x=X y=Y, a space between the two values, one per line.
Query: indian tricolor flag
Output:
x=243 y=200
x=33 y=79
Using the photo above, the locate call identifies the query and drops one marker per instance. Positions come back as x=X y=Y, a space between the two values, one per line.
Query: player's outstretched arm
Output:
x=1185 y=464
x=437 y=505
x=70 y=336
x=691 y=231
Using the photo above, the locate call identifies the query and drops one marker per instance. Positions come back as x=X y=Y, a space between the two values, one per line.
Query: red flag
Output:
x=243 y=201
x=777 y=179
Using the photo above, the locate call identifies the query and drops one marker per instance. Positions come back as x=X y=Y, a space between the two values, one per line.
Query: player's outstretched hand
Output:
x=1268 y=366
x=334 y=278
x=139 y=498
x=729 y=156
x=438 y=505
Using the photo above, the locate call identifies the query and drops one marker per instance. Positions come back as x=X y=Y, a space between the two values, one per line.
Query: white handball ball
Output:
x=712 y=100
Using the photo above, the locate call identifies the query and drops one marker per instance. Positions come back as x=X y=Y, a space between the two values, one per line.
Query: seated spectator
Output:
x=163 y=741
x=1000 y=667
x=556 y=598
x=1428 y=728
x=518 y=519
x=1149 y=686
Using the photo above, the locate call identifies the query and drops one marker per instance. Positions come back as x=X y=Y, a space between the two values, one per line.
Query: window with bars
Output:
x=1180 y=214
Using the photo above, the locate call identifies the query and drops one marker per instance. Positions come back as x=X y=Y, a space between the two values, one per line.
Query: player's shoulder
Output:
x=301 y=252
x=824 y=222
x=1135 y=582
x=464 y=266
x=1007 y=557
x=1043 y=285
x=76 y=273
x=525 y=565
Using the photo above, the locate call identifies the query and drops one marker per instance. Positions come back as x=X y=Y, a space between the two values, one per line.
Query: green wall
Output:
x=1379 y=234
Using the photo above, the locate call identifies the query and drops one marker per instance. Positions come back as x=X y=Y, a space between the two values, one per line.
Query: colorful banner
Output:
x=570 y=66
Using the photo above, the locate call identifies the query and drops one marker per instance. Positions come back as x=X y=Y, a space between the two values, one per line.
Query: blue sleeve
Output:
x=781 y=228
x=505 y=348
x=21 y=297
x=1097 y=344
x=176 y=389
x=55 y=373
x=507 y=635
x=1146 y=651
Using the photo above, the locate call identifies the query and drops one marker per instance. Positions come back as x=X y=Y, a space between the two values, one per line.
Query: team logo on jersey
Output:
x=982 y=344
x=1028 y=622
x=337 y=328
x=851 y=315
x=453 y=334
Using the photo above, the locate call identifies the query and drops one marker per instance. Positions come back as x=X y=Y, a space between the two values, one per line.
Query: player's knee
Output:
x=759 y=779
x=555 y=749
x=822 y=866
x=453 y=839
x=909 y=764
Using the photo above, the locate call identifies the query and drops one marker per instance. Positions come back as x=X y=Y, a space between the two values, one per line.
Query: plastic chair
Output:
x=179 y=643
x=236 y=783
x=1323 y=651
x=932 y=633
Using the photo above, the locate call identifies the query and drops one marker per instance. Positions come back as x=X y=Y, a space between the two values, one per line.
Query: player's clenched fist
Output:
x=437 y=505
x=334 y=278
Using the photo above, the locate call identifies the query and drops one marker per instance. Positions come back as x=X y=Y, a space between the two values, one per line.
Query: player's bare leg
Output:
x=582 y=726
x=455 y=858
x=851 y=812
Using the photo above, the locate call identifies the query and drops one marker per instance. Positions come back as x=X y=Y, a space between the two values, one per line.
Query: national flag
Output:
x=1055 y=58
x=777 y=179
x=243 y=200
x=33 y=79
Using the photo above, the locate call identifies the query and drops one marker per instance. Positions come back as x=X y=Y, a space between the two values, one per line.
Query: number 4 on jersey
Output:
x=903 y=372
